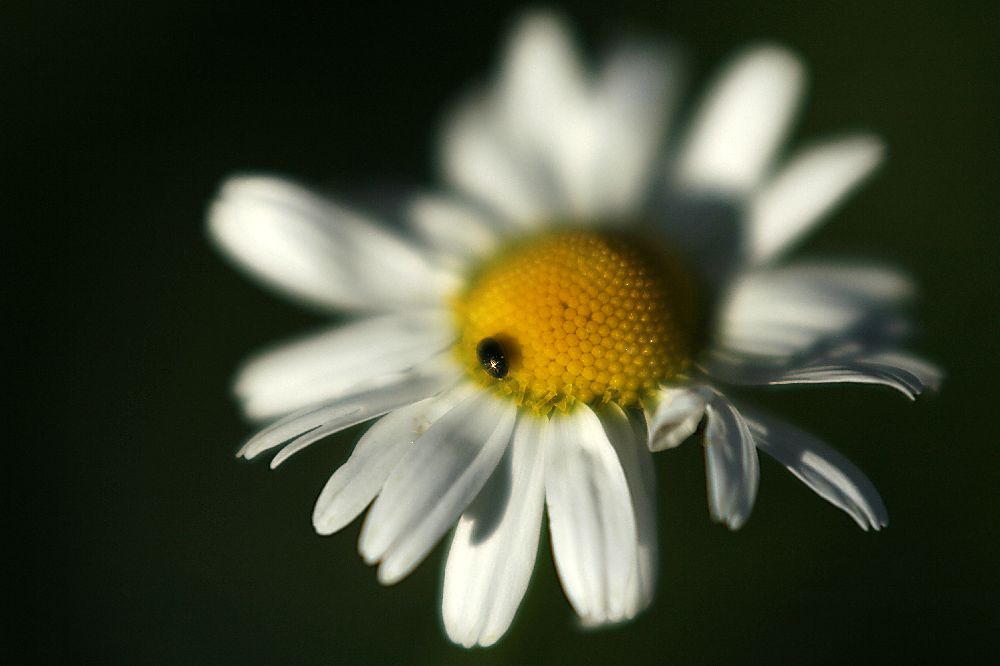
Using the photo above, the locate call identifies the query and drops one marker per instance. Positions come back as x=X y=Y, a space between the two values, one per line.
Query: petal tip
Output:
x=538 y=21
x=773 y=56
x=321 y=524
x=389 y=574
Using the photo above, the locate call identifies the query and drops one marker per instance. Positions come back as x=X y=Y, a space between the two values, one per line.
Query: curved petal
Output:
x=731 y=464
x=898 y=370
x=627 y=437
x=742 y=122
x=316 y=251
x=324 y=366
x=493 y=551
x=805 y=190
x=434 y=483
x=675 y=417
x=356 y=483
x=362 y=404
x=591 y=517
x=829 y=474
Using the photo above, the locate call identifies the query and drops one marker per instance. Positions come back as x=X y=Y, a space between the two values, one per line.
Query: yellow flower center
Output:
x=576 y=316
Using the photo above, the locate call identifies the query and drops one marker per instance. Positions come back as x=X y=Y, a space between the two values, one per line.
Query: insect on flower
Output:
x=491 y=357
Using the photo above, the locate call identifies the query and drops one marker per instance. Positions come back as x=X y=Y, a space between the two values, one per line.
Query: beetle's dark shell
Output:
x=492 y=358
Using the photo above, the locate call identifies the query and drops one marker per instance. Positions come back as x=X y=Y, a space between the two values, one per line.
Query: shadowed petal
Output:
x=477 y=158
x=356 y=483
x=898 y=370
x=434 y=482
x=829 y=474
x=542 y=97
x=632 y=98
x=677 y=413
x=772 y=316
x=731 y=464
x=455 y=228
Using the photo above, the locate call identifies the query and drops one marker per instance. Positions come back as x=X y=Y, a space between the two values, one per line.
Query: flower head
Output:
x=577 y=299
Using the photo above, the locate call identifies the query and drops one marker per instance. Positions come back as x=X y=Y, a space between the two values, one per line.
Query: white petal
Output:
x=493 y=551
x=741 y=122
x=830 y=475
x=541 y=71
x=634 y=94
x=808 y=187
x=434 y=482
x=675 y=417
x=356 y=483
x=904 y=372
x=326 y=255
x=591 y=517
x=731 y=464
x=795 y=309
x=477 y=158
x=628 y=440
x=325 y=366
x=309 y=425
x=542 y=95
x=454 y=228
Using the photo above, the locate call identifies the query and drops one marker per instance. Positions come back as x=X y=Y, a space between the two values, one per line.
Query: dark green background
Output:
x=144 y=540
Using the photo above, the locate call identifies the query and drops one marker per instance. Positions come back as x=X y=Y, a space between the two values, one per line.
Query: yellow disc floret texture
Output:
x=579 y=316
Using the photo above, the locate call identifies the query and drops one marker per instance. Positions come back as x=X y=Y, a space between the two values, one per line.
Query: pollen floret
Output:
x=581 y=316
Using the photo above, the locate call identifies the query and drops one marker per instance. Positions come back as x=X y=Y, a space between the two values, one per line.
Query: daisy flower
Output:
x=575 y=298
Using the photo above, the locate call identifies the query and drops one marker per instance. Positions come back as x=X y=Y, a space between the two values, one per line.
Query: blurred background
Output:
x=144 y=540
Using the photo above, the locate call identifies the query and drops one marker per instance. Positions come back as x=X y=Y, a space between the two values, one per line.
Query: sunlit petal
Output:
x=319 y=252
x=366 y=402
x=741 y=122
x=805 y=190
x=321 y=367
x=493 y=551
x=627 y=436
x=591 y=517
x=434 y=482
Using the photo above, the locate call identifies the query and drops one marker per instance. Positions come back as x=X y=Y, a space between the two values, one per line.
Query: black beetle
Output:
x=492 y=358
